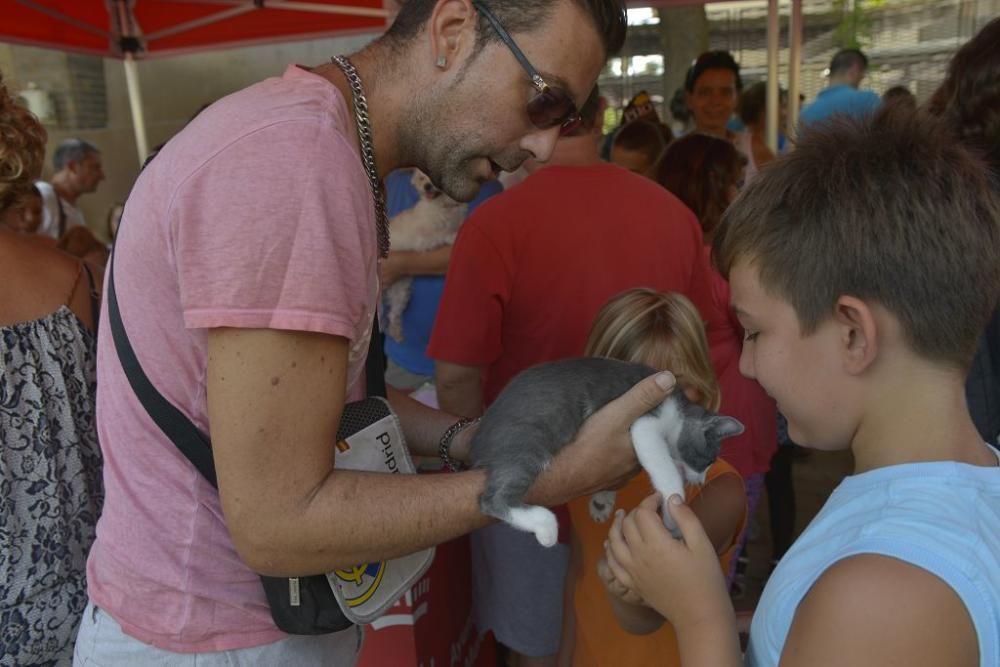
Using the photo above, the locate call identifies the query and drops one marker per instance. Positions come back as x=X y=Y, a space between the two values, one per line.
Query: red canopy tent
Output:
x=137 y=29
x=151 y=28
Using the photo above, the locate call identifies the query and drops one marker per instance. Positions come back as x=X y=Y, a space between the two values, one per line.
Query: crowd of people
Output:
x=840 y=292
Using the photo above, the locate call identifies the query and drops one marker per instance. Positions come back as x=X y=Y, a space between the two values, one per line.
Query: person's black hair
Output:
x=712 y=60
x=845 y=59
x=516 y=16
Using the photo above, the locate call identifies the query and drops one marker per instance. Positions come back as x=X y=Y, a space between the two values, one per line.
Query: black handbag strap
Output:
x=193 y=443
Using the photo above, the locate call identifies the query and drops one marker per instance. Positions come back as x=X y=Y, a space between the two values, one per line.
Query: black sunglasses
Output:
x=550 y=106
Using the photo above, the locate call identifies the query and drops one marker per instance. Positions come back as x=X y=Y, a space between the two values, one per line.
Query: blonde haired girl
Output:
x=663 y=331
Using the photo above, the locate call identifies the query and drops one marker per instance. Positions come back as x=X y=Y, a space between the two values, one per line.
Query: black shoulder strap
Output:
x=193 y=443
x=375 y=363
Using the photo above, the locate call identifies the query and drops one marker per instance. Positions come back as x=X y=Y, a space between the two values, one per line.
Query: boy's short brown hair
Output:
x=890 y=209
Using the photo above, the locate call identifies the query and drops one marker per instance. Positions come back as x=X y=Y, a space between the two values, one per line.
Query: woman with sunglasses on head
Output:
x=705 y=172
x=50 y=464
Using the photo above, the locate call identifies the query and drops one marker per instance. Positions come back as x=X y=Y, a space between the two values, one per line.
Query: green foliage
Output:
x=855 y=29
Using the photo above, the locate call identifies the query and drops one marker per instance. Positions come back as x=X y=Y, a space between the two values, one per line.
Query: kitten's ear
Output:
x=725 y=427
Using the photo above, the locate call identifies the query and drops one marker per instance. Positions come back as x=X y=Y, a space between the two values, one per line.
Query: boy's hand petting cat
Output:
x=681 y=579
x=614 y=587
x=602 y=456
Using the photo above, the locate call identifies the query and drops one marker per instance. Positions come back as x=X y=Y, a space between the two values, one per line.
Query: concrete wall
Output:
x=91 y=98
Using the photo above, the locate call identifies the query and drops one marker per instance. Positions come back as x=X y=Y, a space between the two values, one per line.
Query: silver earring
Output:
x=441 y=62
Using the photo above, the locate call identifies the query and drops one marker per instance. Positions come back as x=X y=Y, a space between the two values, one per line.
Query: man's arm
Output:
x=274 y=402
x=423 y=426
x=401 y=263
x=459 y=388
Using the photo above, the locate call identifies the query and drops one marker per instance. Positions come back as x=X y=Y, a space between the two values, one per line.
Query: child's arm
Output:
x=681 y=579
x=871 y=610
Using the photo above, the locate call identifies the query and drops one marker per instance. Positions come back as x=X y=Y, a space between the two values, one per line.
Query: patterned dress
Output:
x=50 y=485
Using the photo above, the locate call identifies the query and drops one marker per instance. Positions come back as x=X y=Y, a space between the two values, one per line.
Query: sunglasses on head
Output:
x=550 y=106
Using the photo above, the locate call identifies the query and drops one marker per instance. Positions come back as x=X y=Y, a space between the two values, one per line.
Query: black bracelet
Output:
x=444 y=447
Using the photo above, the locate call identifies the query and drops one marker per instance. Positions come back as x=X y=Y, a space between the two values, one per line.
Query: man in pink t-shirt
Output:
x=246 y=272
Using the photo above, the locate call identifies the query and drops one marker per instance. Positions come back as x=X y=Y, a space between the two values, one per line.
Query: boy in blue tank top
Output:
x=864 y=266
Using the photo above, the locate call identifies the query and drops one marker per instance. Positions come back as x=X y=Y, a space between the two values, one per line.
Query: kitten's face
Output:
x=700 y=441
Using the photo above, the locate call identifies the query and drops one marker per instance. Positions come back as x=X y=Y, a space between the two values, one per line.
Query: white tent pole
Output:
x=794 y=65
x=773 y=28
x=135 y=103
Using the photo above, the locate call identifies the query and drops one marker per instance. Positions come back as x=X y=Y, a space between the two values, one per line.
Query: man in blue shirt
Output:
x=409 y=366
x=842 y=96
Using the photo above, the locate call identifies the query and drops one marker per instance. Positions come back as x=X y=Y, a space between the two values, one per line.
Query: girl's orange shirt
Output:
x=600 y=641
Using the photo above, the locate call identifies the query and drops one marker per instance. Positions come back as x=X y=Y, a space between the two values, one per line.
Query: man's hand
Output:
x=602 y=456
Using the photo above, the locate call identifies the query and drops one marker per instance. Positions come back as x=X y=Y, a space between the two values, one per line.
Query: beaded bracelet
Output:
x=444 y=447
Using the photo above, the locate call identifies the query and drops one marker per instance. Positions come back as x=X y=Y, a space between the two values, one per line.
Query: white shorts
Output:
x=102 y=643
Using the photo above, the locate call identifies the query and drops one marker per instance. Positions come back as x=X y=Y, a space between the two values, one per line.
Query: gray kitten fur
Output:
x=543 y=408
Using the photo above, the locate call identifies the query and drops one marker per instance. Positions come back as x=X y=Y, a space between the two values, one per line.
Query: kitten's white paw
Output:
x=602 y=505
x=537 y=520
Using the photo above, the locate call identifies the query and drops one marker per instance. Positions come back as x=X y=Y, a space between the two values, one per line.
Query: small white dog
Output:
x=432 y=223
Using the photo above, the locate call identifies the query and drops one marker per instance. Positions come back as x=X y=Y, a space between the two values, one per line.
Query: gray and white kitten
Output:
x=542 y=409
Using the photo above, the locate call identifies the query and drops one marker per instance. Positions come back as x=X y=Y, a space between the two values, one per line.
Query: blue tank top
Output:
x=943 y=517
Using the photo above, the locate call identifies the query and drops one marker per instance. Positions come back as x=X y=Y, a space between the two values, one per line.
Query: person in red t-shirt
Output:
x=529 y=271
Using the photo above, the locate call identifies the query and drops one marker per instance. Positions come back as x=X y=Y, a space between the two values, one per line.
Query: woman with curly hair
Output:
x=968 y=101
x=50 y=463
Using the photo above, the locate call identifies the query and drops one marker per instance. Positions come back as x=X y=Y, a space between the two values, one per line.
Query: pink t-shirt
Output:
x=259 y=214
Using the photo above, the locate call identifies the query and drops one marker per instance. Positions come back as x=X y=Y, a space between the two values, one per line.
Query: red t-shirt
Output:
x=532 y=267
